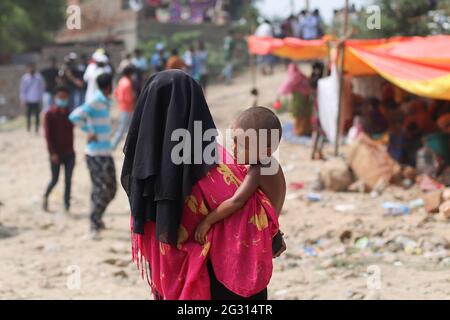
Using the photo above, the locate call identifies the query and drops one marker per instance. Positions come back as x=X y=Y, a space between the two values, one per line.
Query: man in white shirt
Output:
x=93 y=70
x=264 y=29
x=32 y=87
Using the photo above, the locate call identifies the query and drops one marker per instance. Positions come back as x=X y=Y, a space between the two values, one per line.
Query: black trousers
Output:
x=68 y=163
x=220 y=292
x=33 y=109
x=104 y=186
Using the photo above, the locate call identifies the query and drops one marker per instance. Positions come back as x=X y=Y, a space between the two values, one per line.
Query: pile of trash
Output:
x=369 y=168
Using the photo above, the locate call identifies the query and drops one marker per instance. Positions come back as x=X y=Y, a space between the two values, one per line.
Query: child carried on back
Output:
x=264 y=172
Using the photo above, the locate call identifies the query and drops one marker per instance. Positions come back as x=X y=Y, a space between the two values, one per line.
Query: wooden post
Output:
x=341 y=50
x=254 y=72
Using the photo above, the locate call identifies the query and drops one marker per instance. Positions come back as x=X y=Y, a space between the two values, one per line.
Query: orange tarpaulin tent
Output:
x=420 y=65
x=291 y=48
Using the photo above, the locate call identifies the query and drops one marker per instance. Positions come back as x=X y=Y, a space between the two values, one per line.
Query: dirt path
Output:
x=40 y=251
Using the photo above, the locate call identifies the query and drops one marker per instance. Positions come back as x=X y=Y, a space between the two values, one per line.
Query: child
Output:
x=59 y=136
x=273 y=185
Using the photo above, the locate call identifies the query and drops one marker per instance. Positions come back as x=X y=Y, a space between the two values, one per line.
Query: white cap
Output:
x=100 y=57
x=72 y=56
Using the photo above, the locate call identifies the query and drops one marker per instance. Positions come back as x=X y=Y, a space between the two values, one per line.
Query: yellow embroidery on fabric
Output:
x=228 y=175
x=260 y=220
x=202 y=209
x=183 y=235
x=195 y=207
x=206 y=248
x=192 y=203
x=266 y=201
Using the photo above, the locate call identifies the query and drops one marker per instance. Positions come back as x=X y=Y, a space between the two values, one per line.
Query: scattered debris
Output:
x=444 y=209
x=362 y=243
x=296 y=185
x=432 y=200
x=313 y=197
x=336 y=175
x=344 y=208
x=395 y=209
x=371 y=163
x=121 y=274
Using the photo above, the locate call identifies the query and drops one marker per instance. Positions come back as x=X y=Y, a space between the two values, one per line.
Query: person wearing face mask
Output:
x=59 y=136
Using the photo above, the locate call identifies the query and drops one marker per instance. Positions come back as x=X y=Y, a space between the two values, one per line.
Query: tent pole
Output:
x=254 y=84
x=341 y=50
x=341 y=94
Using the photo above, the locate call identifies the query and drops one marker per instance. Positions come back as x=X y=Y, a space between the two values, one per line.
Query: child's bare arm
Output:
x=238 y=200
x=229 y=206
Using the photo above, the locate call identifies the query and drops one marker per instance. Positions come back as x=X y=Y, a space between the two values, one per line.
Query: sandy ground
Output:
x=46 y=255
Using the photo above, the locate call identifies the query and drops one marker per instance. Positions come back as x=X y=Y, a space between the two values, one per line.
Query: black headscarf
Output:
x=155 y=185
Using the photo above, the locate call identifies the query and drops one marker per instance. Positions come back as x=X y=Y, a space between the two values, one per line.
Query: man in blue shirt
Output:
x=94 y=118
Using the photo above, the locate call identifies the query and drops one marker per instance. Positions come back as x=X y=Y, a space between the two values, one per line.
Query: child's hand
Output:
x=202 y=231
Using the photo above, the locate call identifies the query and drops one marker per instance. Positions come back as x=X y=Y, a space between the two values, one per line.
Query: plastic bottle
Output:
x=395 y=209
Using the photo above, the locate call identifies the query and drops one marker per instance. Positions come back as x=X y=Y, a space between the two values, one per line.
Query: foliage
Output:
x=183 y=40
x=27 y=25
x=407 y=18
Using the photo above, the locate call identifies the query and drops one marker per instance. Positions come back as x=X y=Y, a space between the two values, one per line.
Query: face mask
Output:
x=62 y=103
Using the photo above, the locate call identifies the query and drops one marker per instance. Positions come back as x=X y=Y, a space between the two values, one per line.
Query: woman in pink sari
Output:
x=297 y=85
x=172 y=184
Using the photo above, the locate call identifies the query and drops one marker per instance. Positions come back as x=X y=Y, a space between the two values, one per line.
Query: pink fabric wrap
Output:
x=295 y=81
x=240 y=247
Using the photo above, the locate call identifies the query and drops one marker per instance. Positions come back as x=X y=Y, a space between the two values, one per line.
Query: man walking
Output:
x=59 y=136
x=94 y=118
x=32 y=87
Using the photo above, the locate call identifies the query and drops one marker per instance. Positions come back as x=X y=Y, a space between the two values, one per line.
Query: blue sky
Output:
x=281 y=8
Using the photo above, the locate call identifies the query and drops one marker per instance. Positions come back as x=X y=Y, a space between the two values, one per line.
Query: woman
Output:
x=297 y=85
x=169 y=199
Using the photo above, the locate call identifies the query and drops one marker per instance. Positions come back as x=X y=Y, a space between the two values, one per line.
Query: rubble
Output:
x=432 y=201
x=336 y=175
x=444 y=209
x=371 y=163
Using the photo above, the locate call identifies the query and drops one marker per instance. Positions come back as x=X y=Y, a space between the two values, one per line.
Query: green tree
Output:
x=407 y=18
x=27 y=25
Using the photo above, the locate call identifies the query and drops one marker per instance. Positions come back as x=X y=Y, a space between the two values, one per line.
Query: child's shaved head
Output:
x=258 y=118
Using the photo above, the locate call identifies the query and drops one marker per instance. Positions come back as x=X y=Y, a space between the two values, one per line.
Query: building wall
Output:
x=102 y=21
x=9 y=90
